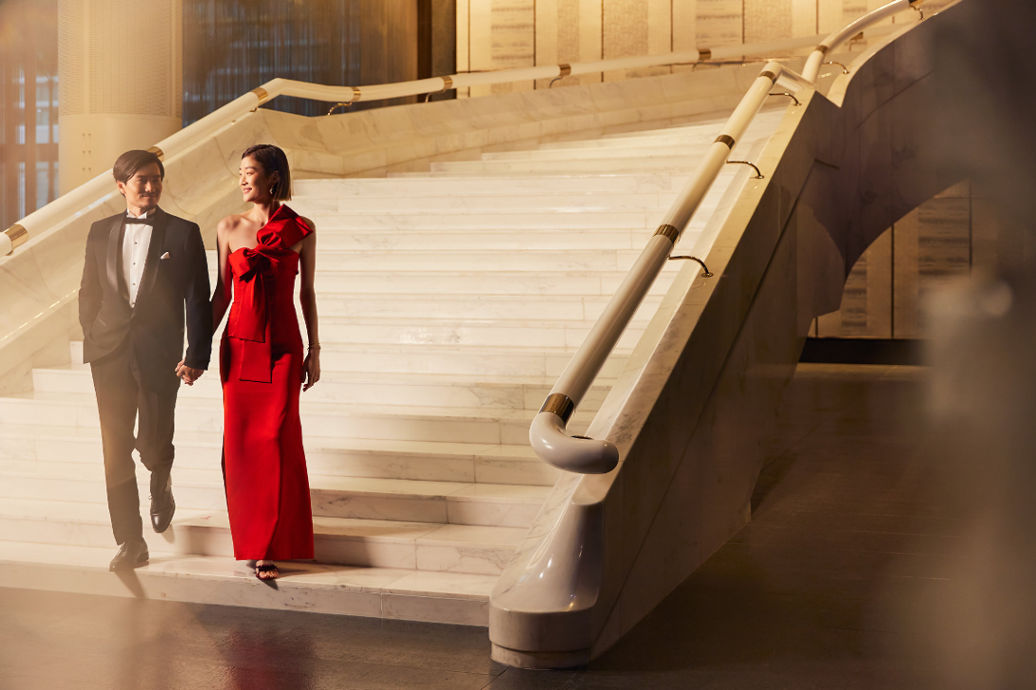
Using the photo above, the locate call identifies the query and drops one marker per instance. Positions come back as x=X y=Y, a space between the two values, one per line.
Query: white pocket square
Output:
x=165 y=256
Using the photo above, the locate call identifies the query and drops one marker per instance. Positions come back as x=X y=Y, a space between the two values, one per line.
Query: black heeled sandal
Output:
x=267 y=568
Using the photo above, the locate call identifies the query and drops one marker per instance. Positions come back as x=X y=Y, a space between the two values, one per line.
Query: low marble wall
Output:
x=688 y=425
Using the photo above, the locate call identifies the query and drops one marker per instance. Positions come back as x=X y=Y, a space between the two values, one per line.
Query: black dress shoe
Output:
x=132 y=554
x=162 y=504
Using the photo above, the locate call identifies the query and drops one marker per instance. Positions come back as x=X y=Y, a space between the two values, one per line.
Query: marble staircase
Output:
x=449 y=301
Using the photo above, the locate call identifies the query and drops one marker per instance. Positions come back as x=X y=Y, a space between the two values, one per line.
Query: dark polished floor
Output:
x=833 y=585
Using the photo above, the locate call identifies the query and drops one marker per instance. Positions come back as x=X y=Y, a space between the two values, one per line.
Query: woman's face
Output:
x=254 y=182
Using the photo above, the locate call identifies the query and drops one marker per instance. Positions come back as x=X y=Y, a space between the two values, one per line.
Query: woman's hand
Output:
x=311 y=368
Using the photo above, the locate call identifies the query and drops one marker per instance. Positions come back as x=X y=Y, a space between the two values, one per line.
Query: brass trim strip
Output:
x=357 y=94
x=17 y=234
x=725 y=139
x=669 y=231
x=559 y=404
x=769 y=75
x=704 y=54
x=157 y=151
x=261 y=94
x=564 y=69
x=447 y=83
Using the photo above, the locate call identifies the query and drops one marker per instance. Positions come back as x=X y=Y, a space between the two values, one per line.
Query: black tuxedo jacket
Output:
x=154 y=328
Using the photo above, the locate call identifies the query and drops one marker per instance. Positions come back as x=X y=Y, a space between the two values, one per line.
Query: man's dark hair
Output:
x=273 y=160
x=127 y=165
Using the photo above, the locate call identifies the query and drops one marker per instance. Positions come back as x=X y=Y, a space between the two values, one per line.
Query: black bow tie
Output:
x=150 y=220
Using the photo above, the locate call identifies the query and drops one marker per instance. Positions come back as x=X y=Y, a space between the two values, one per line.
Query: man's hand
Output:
x=188 y=374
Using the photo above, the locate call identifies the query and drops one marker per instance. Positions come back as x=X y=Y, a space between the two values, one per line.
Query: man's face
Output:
x=143 y=189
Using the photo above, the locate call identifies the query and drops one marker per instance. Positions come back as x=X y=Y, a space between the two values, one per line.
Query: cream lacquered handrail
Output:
x=99 y=190
x=548 y=434
x=816 y=58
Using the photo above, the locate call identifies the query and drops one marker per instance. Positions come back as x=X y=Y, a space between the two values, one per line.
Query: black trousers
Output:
x=121 y=401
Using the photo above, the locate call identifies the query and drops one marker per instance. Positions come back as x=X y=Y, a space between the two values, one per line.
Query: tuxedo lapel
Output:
x=154 y=251
x=114 y=257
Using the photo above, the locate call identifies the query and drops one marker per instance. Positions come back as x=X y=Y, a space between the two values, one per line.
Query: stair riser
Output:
x=192 y=539
x=501 y=397
x=206 y=418
x=325 y=502
x=531 y=314
x=527 y=283
x=242 y=589
x=414 y=358
x=476 y=262
x=420 y=185
x=421 y=202
x=488 y=218
x=344 y=463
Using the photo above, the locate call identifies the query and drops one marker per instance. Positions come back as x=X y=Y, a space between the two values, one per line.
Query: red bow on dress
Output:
x=249 y=319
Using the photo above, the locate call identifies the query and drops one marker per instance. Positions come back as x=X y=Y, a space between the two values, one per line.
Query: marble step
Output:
x=437 y=358
x=369 y=387
x=346 y=201
x=706 y=130
x=682 y=164
x=460 y=503
x=663 y=147
x=338 y=216
x=464 y=309
x=396 y=422
x=391 y=593
x=437 y=461
x=419 y=185
x=473 y=549
x=403 y=237
x=478 y=260
x=520 y=283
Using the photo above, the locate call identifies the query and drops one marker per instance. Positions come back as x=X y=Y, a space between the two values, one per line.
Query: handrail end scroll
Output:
x=555 y=446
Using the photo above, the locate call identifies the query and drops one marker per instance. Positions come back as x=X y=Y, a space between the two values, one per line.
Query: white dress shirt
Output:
x=134 y=253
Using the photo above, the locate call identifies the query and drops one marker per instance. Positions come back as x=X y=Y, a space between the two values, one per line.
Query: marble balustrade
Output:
x=703 y=384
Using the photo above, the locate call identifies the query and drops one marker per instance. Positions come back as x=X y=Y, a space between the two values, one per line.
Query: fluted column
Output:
x=120 y=67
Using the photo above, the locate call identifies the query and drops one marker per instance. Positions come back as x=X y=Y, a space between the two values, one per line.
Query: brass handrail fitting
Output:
x=758 y=174
x=18 y=236
x=564 y=69
x=789 y=94
x=705 y=272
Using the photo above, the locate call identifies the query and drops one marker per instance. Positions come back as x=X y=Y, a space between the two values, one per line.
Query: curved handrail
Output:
x=548 y=434
x=99 y=189
x=816 y=58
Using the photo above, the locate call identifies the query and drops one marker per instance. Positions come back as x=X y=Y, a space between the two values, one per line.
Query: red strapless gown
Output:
x=264 y=467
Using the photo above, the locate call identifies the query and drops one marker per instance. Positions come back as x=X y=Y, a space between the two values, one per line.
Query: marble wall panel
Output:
x=866 y=310
x=568 y=31
x=928 y=246
x=500 y=34
x=804 y=17
x=767 y=19
x=493 y=34
x=719 y=22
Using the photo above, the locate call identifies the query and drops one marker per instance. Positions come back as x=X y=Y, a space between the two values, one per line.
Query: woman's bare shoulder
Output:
x=232 y=222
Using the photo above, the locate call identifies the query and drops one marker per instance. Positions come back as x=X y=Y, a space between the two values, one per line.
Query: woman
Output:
x=262 y=367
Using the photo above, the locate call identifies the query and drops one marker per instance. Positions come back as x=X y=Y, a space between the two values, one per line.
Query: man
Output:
x=143 y=269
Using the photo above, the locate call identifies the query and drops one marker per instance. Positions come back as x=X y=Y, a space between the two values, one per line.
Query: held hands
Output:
x=188 y=374
x=311 y=368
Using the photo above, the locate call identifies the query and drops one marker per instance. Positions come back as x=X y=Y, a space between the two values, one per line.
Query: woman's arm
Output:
x=221 y=294
x=308 y=300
